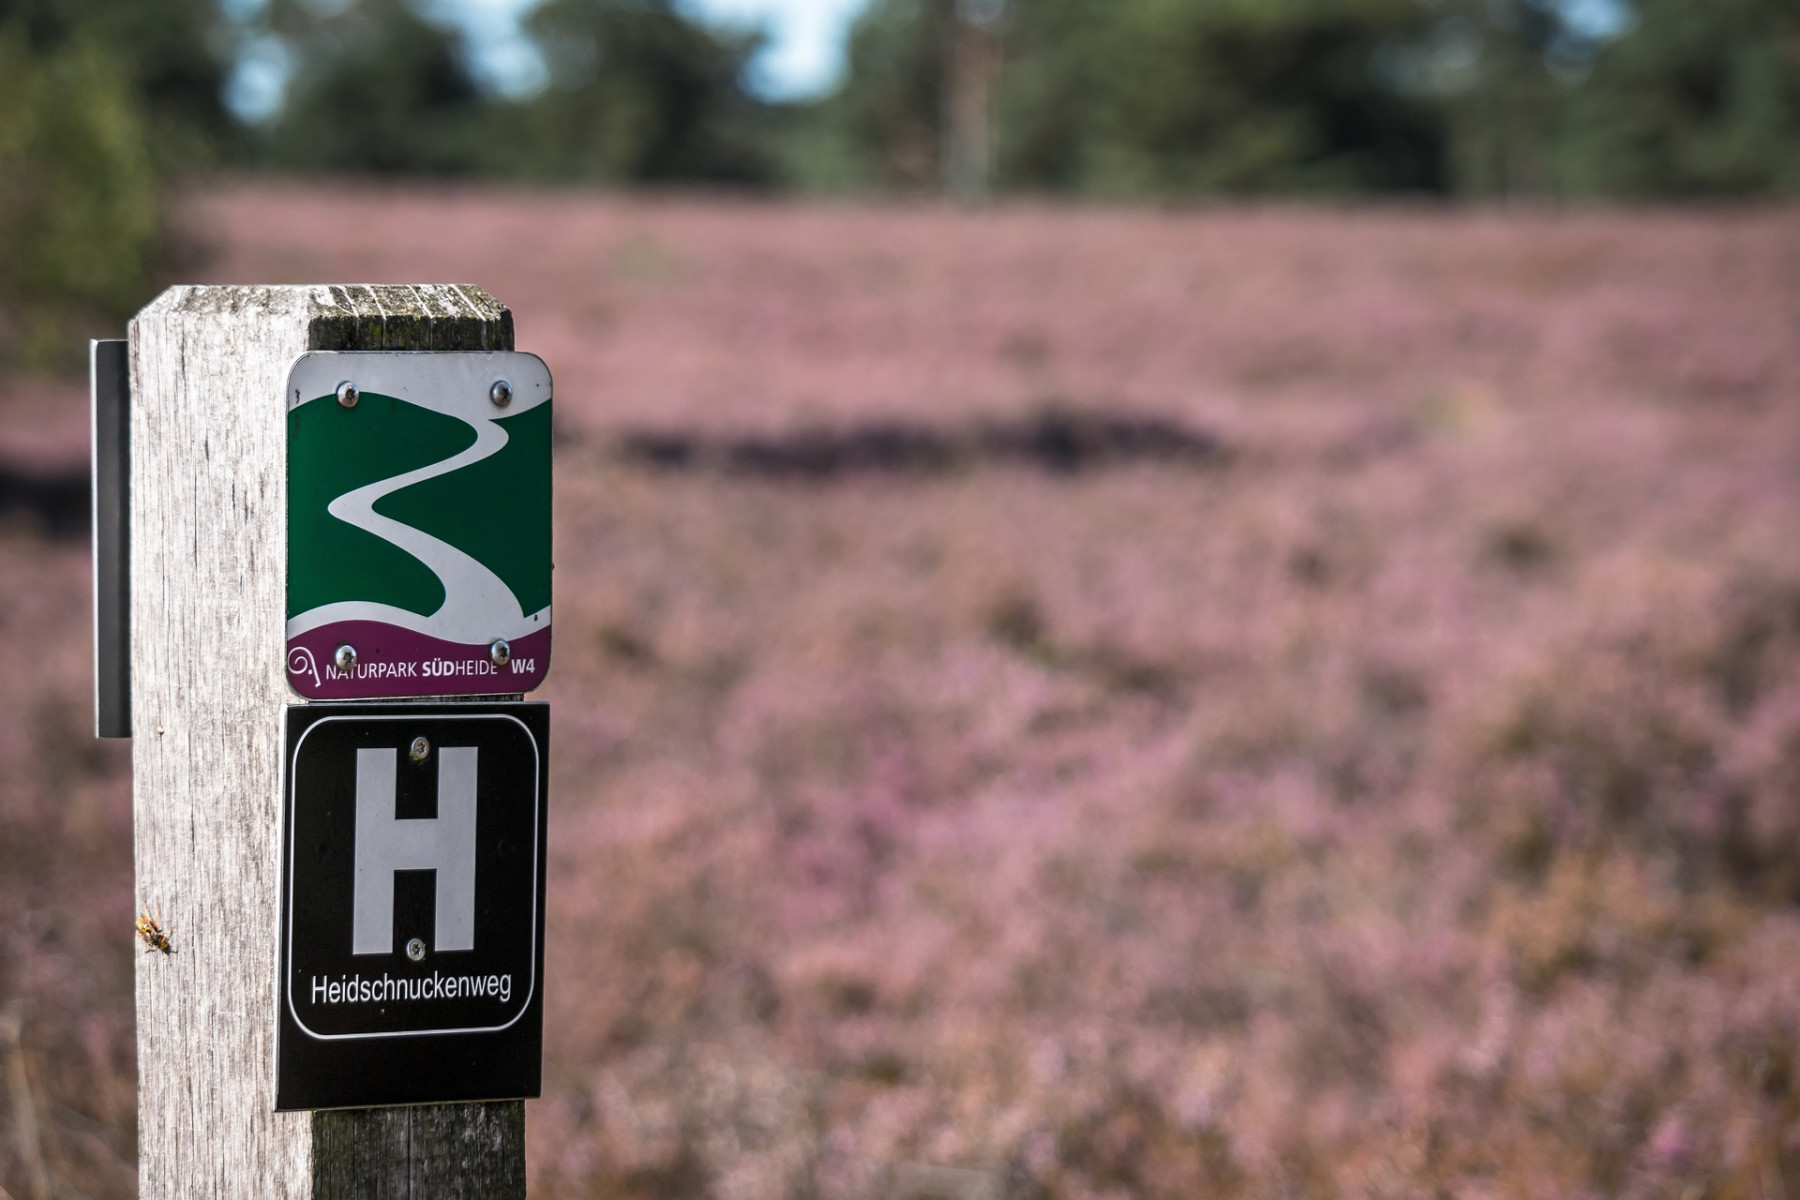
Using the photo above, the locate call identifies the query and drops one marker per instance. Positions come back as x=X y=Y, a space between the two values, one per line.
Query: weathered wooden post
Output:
x=352 y=891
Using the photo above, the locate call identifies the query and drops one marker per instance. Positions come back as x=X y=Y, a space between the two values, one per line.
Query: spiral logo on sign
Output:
x=301 y=662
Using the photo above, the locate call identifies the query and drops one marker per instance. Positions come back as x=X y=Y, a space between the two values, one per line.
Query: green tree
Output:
x=169 y=58
x=891 y=112
x=1244 y=96
x=101 y=101
x=1147 y=97
x=638 y=92
x=377 y=90
x=1510 y=65
x=81 y=232
x=1701 y=97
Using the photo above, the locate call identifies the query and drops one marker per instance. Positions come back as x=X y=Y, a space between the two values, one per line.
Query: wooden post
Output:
x=208 y=689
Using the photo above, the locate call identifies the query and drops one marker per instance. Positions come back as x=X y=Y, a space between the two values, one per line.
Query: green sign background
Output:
x=496 y=510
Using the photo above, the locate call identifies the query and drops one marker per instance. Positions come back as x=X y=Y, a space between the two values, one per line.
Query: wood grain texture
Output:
x=449 y=1151
x=208 y=563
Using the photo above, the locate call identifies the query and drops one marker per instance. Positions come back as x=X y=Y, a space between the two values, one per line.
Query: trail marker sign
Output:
x=412 y=943
x=418 y=524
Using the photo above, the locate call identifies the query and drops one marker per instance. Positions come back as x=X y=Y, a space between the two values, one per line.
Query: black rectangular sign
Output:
x=412 y=932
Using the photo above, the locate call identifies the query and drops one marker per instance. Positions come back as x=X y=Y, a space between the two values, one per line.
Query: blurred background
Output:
x=1156 y=597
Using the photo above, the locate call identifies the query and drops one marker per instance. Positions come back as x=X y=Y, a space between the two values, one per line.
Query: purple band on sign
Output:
x=398 y=662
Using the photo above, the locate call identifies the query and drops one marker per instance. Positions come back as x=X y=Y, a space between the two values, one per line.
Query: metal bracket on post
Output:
x=109 y=363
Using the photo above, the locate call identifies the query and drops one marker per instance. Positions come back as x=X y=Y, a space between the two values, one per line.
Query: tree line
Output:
x=101 y=101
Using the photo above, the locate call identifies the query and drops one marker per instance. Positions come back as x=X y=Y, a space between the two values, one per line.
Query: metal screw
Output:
x=499 y=653
x=415 y=950
x=500 y=393
x=420 y=750
x=347 y=394
x=345 y=658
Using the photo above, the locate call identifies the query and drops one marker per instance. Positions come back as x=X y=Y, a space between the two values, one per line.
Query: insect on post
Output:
x=151 y=932
x=322 y=587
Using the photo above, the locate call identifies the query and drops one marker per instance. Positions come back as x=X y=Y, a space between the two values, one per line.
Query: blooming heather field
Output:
x=1080 y=703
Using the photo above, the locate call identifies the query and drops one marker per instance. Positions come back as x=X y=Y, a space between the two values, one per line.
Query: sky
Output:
x=803 y=58
x=805 y=54
x=806 y=51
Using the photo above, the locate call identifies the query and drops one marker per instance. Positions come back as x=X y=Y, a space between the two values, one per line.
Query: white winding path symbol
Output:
x=478 y=606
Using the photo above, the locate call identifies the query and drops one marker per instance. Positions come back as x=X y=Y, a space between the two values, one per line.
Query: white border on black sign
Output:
x=287 y=983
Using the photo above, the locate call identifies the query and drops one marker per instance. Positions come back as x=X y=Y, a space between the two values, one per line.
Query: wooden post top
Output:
x=359 y=316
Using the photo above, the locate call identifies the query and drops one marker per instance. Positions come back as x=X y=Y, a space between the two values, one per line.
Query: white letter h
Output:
x=385 y=844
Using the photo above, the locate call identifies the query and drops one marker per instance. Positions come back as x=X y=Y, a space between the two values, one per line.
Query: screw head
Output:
x=500 y=393
x=420 y=750
x=415 y=950
x=348 y=394
x=499 y=652
x=344 y=658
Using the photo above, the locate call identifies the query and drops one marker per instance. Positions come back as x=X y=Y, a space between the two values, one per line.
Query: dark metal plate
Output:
x=412 y=940
x=109 y=379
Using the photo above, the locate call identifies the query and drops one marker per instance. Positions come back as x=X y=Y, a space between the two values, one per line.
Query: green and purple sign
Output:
x=418 y=524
